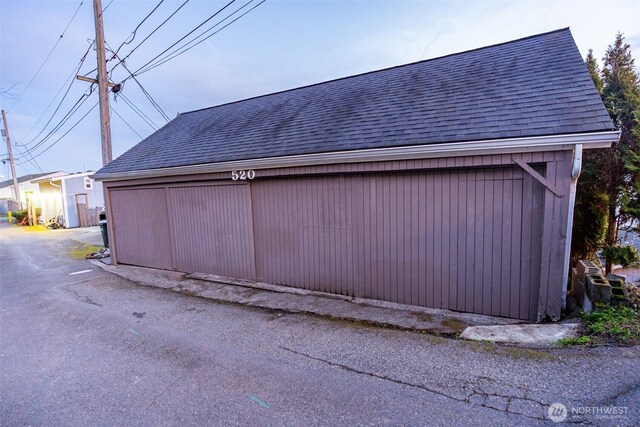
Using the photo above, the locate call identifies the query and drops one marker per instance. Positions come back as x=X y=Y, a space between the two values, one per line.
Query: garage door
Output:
x=205 y=228
x=212 y=230
x=140 y=227
x=460 y=240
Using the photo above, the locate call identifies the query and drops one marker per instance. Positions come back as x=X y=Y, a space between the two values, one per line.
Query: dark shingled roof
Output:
x=534 y=86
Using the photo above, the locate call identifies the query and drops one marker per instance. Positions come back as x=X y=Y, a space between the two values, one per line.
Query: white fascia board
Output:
x=414 y=152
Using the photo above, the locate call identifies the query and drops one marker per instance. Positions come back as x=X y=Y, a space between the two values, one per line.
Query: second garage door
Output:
x=467 y=240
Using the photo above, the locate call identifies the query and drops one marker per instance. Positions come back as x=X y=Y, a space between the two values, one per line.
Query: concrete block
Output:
x=577 y=285
x=615 y=280
x=622 y=300
x=619 y=294
x=598 y=288
x=586 y=268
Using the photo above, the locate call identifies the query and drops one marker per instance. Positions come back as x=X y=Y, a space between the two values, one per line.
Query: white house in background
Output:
x=28 y=187
x=77 y=198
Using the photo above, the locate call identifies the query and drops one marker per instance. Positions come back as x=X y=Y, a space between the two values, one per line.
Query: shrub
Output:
x=21 y=214
x=608 y=324
x=614 y=322
x=625 y=255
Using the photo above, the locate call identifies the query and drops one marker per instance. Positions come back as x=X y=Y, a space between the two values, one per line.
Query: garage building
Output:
x=445 y=183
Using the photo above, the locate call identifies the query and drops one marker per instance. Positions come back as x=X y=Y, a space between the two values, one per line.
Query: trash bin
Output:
x=103 y=228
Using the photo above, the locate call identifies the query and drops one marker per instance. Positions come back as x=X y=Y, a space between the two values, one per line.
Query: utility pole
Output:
x=103 y=85
x=13 y=166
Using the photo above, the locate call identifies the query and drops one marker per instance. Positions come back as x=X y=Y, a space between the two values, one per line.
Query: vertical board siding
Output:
x=212 y=230
x=461 y=240
x=485 y=237
x=555 y=238
x=140 y=227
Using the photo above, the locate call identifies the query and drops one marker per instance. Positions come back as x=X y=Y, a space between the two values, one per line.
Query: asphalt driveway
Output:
x=79 y=346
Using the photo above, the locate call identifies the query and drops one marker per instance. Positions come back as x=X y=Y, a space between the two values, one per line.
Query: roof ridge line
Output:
x=377 y=71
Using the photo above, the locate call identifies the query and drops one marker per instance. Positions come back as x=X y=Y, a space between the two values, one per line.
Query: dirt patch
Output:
x=81 y=250
x=423 y=317
x=455 y=324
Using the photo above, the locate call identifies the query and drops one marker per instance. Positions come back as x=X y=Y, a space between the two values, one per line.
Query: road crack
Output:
x=474 y=393
x=85 y=299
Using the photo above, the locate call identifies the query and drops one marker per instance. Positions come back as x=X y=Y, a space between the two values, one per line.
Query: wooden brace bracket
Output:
x=541 y=179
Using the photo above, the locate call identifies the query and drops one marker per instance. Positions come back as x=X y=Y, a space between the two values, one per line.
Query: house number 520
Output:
x=243 y=175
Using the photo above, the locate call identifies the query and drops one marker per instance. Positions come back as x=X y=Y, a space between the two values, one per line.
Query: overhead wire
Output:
x=67 y=132
x=139 y=112
x=124 y=121
x=146 y=93
x=186 y=35
x=163 y=57
x=48 y=55
x=30 y=158
x=148 y=36
x=159 y=59
x=60 y=124
x=184 y=48
x=70 y=80
x=135 y=30
x=64 y=119
x=104 y=9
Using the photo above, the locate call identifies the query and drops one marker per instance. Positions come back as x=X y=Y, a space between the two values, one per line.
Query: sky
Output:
x=279 y=45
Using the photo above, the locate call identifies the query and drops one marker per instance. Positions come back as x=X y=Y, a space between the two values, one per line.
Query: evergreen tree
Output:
x=592 y=201
x=621 y=96
x=594 y=70
x=608 y=193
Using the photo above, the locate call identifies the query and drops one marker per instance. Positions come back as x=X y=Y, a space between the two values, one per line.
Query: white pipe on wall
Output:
x=576 y=168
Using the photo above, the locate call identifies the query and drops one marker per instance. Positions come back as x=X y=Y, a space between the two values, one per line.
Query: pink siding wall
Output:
x=445 y=239
x=474 y=234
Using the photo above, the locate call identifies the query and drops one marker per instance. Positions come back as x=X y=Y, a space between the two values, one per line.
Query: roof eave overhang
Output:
x=455 y=149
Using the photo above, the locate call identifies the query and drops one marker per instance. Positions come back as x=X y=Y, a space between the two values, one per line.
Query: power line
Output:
x=134 y=32
x=184 y=48
x=106 y=7
x=149 y=35
x=70 y=80
x=31 y=160
x=153 y=101
x=65 y=119
x=144 y=91
x=65 y=134
x=185 y=36
x=49 y=55
x=139 y=112
x=125 y=122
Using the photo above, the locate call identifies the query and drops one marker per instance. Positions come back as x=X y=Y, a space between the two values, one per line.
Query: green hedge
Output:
x=21 y=214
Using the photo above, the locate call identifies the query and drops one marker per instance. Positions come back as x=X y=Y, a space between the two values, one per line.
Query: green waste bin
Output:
x=103 y=228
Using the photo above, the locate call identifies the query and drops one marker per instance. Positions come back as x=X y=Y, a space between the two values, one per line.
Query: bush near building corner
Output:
x=609 y=325
x=21 y=214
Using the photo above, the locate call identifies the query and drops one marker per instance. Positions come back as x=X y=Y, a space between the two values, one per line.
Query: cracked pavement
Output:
x=94 y=348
